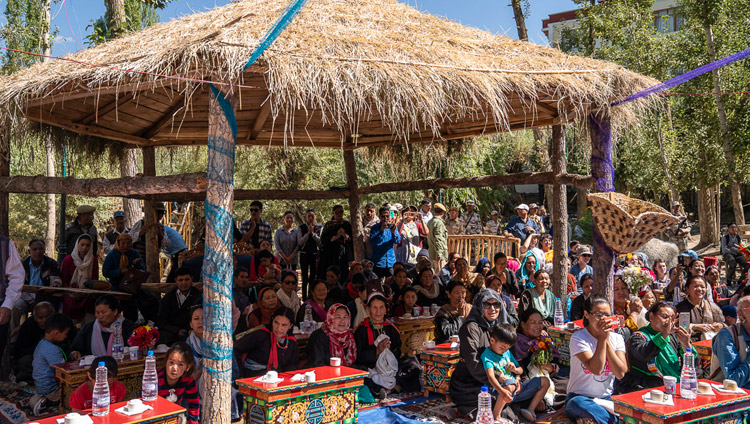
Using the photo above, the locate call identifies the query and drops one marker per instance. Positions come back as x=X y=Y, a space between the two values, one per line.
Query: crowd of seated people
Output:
x=498 y=308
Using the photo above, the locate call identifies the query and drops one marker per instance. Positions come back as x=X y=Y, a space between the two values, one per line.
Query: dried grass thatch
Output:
x=365 y=72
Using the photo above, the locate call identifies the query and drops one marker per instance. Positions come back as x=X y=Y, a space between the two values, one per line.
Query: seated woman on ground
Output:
x=318 y=302
x=368 y=352
x=576 y=306
x=597 y=357
x=625 y=307
x=473 y=281
x=540 y=298
x=676 y=279
x=648 y=299
x=483 y=267
x=95 y=338
x=492 y=282
x=655 y=350
x=263 y=310
x=451 y=316
x=399 y=284
x=706 y=318
x=506 y=277
x=429 y=291
x=332 y=340
x=529 y=267
x=408 y=303
x=530 y=333
x=272 y=347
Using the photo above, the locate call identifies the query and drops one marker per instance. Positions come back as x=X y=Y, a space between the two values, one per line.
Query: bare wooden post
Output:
x=150 y=227
x=560 y=217
x=217 y=262
x=603 y=171
x=4 y=172
x=355 y=216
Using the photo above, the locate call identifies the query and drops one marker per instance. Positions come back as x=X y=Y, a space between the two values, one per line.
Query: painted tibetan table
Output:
x=721 y=408
x=164 y=412
x=561 y=337
x=414 y=332
x=705 y=349
x=130 y=373
x=332 y=398
x=438 y=365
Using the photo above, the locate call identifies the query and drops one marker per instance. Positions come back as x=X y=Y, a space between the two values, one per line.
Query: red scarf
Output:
x=368 y=325
x=273 y=356
x=263 y=314
x=341 y=345
x=350 y=289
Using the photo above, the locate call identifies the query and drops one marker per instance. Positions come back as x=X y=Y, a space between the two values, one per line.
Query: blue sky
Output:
x=73 y=16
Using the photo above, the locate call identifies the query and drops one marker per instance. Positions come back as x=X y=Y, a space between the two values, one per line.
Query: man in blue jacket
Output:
x=383 y=237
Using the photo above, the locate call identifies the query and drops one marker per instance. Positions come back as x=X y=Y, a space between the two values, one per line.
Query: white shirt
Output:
x=426 y=217
x=582 y=381
x=16 y=275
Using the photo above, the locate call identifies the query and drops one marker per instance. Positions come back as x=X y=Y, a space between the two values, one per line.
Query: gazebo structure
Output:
x=345 y=74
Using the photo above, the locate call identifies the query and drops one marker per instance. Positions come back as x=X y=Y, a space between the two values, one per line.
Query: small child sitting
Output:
x=48 y=353
x=176 y=383
x=503 y=373
x=80 y=399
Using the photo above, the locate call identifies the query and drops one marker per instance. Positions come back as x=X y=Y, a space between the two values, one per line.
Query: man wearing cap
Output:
x=533 y=209
x=139 y=242
x=83 y=224
x=111 y=237
x=521 y=227
x=455 y=225
x=438 y=239
x=492 y=227
x=582 y=267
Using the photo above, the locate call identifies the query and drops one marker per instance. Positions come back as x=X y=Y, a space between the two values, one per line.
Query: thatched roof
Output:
x=369 y=72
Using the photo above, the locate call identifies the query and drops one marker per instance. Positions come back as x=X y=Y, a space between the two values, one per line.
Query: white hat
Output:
x=523 y=206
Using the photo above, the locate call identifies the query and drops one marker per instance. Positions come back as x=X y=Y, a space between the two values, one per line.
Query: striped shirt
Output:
x=186 y=392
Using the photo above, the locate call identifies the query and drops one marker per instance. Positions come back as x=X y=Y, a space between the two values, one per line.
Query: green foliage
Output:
x=139 y=14
x=24 y=30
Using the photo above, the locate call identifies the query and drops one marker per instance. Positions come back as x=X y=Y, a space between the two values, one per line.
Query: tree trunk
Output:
x=355 y=214
x=734 y=185
x=673 y=195
x=603 y=170
x=128 y=168
x=707 y=216
x=49 y=238
x=217 y=264
x=4 y=172
x=150 y=224
x=115 y=17
x=560 y=217
x=520 y=20
x=581 y=202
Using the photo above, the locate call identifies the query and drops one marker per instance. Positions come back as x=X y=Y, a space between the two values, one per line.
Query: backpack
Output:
x=717 y=374
x=409 y=374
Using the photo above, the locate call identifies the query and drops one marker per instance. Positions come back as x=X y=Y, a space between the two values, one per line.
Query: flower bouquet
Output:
x=744 y=248
x=145 y=337
x=635 y=278
x=541 y=351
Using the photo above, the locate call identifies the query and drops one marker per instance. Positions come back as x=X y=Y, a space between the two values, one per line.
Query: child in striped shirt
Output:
x=176 y=383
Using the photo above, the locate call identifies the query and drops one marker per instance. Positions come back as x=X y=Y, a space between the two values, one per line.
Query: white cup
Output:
x=134 y=405
x=272 y=375
x=730 y=385
x=133 y=350
x=335 y=362
x=454 y=338
x=162 y=348
x=310 y=377
x=417 y=311
x=657 y=395
x=430 y=344
x=72 y=418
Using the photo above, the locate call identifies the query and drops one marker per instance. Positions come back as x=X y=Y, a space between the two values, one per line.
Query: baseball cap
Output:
x=523 y=206
x=119 y=214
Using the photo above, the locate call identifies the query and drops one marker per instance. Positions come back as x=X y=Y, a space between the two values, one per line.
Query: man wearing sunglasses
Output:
x=255 y=229
x=730 y=359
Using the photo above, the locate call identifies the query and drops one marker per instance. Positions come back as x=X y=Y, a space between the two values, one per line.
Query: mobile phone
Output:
x=392 y=213
x=685 y=320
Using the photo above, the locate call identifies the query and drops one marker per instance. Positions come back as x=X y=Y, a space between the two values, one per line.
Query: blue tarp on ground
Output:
x=384 y=414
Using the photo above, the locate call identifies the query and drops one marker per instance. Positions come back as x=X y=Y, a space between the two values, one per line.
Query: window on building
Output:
x=668 y=20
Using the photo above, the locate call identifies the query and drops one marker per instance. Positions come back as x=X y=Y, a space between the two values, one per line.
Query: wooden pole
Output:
x=4 y=172
x=603 y=171
x=217 y=263
x=350 y=165
x=560 y=217
x=150 y=224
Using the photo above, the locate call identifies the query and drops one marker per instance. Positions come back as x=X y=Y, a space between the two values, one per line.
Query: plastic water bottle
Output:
x=484 y=407
x=559 y=317
x=688 y=379
x=100 y=397
x=308 y=321
x=676 y=298
x=118 y=346
x=150 y=386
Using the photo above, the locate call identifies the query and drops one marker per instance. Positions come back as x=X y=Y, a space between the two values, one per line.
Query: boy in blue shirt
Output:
x=503 y=373
x=47 y=353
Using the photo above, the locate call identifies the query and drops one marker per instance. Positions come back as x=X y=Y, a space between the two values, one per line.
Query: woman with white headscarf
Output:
x=77 y=268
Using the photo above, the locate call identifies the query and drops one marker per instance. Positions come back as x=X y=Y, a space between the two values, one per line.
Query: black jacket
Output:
x=172 y=317
x=82 y=341
x=50 y=268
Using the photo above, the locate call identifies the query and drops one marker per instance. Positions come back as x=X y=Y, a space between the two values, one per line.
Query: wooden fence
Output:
x=486 y=246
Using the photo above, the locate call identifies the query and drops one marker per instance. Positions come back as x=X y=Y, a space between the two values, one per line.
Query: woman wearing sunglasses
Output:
x=597 y=357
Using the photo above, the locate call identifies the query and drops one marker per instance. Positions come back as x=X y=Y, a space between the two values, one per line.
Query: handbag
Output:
x=132 y=280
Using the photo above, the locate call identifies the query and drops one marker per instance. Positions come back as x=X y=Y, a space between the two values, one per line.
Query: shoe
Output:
x=40 y=407
x=382 y=394
x=528 y=415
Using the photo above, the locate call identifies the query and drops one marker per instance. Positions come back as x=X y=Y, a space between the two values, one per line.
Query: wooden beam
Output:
x=109 y=107
x=260 y=120
x=560 y=216
x=81 y=93
x=350 y=167
x=177 y=104
x=91 y=129
x=241 y=194
x=139 y=186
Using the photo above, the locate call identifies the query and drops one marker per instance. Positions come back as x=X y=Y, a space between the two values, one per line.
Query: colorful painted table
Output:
x=438 y=365
x=414 y=332
x=705 y=350
x=164 y=412
x=332 y=398
x=561 y=337
x=130 y=373
x=720 y=408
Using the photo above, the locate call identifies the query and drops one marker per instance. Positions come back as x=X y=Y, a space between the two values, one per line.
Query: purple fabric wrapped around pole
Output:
x=603 y=170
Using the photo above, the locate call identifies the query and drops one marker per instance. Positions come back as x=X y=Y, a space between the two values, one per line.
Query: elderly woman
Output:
x=474 y=336
x=95 y=338
x=625 y=307
x=263 y=309
x=706 y=318
x=713 y=278
x=539 y=297
x=492 y=282
x=333 y=339
x=270 y=347
x=529 y=266
x=506 y=276
x=368 y=332
x=319 y=303
x=116 y=266
x=473 y=281
x=655 y=350
x=597 y=358
x=450 y=317
x=77 y=268
x=428 y=290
